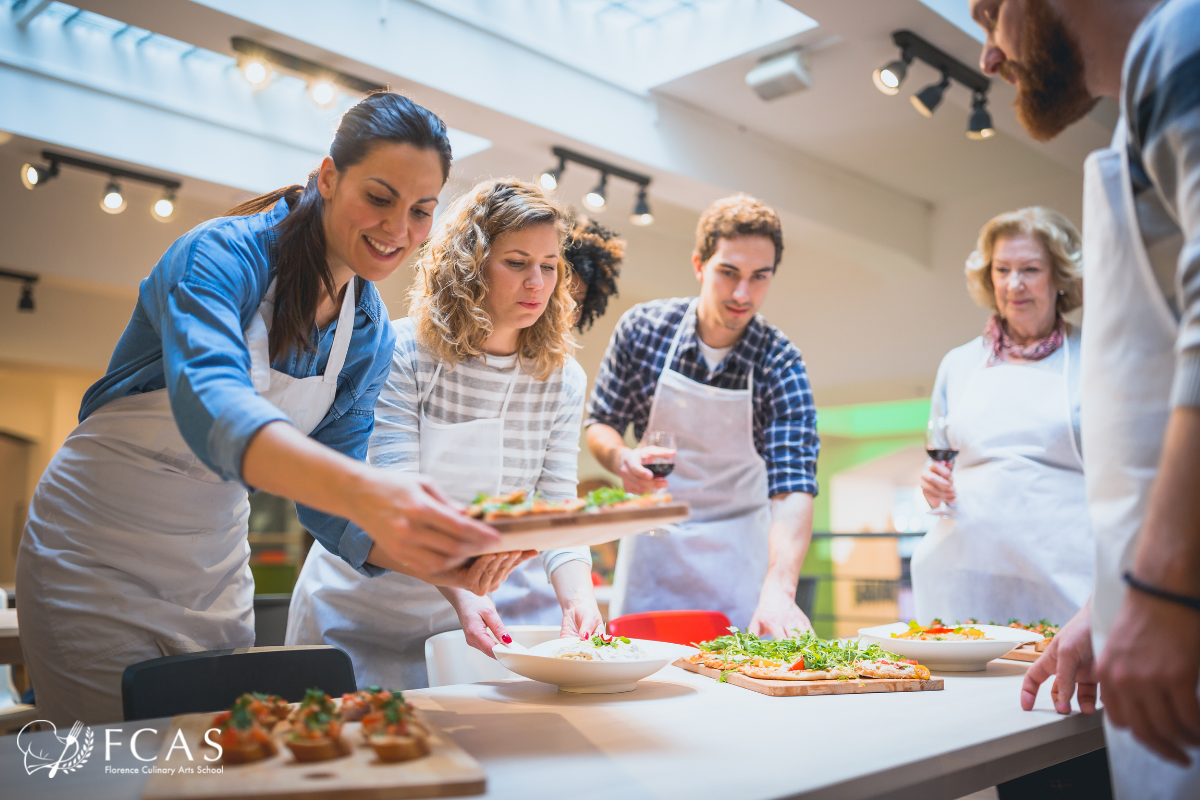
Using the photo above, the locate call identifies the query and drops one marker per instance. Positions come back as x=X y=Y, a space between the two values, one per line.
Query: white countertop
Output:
x=681 y=735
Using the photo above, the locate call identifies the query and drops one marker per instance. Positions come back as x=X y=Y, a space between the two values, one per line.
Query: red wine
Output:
x=944 y=456
x=660 y=469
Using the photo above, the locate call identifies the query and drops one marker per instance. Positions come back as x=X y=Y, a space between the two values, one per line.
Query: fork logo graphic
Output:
x=76 y=749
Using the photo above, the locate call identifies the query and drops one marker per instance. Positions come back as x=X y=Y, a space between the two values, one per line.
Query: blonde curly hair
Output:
x=1056 y=233
x=446 y=298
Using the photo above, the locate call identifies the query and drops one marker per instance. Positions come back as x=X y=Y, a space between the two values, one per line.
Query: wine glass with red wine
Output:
x=939 y=448
x=657 y=451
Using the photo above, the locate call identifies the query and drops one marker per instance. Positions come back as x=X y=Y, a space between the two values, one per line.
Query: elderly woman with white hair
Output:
x=1018 y=543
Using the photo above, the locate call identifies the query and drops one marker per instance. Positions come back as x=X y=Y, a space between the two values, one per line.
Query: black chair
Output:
x=212 y=679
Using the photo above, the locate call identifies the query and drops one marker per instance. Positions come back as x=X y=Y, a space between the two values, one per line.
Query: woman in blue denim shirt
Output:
x=253 y=359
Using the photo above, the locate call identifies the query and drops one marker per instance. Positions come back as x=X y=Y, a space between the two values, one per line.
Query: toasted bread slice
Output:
x=323 y=749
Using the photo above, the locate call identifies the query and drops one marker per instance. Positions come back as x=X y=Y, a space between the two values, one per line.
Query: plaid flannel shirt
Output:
x=785 y=419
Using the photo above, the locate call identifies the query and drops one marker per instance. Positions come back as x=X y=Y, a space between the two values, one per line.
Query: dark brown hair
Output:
x=303 y=272
x=595 y=254
x=740 y=215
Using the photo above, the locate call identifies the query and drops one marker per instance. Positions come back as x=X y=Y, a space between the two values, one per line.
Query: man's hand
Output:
x=636 y=478
x=479 y=619
x=777 y=616
x=1069 y=659
x=1149 y=672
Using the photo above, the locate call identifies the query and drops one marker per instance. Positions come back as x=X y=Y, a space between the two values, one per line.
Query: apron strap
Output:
x=343 y=334
x=678 y=334
x=429 y=386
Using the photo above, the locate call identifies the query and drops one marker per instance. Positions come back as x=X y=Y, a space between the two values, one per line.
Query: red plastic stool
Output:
x=680 y=627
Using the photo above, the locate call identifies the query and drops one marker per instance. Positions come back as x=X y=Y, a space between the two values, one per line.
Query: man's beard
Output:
x=1051 y=91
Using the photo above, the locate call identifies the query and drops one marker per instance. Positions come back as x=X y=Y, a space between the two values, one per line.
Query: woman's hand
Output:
x=636 y=478
x=479 y=619
x=415 y=528
x=937 y=484
x=480 y=575
x=573 y=585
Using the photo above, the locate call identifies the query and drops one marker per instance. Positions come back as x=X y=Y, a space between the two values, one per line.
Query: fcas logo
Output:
x=72 y=752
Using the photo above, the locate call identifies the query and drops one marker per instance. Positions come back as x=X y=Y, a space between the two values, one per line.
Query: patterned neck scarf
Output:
x=996 y=339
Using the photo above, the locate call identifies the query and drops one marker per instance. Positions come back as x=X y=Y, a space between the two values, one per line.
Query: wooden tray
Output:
x=447 y=771
x=1028 y=652
x=550 y=531
x=807 y=688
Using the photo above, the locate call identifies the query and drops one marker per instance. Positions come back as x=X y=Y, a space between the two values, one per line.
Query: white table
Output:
x=682 y=735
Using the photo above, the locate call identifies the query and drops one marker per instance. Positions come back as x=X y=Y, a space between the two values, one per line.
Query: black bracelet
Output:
x=1162 y=594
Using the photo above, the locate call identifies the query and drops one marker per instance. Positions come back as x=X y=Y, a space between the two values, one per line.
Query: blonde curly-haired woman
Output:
x=483 y=396
x=1020 y=544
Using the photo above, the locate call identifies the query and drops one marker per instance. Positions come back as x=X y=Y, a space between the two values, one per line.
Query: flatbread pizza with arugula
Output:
x=520 y=504
x=804 y=657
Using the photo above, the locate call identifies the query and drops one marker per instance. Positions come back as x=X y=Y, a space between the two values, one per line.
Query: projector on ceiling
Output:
x=780 y=76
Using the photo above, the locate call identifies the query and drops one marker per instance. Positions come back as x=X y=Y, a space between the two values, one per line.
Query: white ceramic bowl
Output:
x=589 y=677
x=961 y=656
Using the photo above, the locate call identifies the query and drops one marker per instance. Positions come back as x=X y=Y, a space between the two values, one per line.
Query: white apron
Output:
x=1128 y=367
x=717 y=560
x=383 y=622
x=134 y=549
x=1021 y=543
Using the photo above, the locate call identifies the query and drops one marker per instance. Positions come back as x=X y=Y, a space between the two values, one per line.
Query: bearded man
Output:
x=1141 y=363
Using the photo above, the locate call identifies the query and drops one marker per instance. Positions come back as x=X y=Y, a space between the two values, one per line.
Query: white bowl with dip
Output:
x=957 y=656
x=589 y=677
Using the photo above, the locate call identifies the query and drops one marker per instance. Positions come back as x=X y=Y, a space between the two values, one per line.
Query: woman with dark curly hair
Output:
x=595 y=254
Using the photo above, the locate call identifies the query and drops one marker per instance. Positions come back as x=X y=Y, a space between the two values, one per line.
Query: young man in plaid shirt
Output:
x=735 y=393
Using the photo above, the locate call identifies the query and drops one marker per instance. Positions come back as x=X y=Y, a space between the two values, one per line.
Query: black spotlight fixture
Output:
x=33 y=176
x=597 y=199
x=27 y=280
x=980 y=124
x=550 y=178
x=641 y=210
x=889 y=77
x=926 y=101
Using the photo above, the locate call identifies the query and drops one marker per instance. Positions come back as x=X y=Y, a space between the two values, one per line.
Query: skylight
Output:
x=635 y=44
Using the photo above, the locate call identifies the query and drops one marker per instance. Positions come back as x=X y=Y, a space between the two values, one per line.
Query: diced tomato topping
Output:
x=798 y=666
x=939 y=630
x=911 y=661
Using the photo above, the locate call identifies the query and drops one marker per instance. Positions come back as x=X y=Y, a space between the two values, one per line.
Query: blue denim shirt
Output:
x=186 y=335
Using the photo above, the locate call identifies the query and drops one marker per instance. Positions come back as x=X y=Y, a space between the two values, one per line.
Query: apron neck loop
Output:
x=344 y=332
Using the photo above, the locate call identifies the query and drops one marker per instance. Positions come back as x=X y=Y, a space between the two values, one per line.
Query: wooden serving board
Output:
x=550 y=531
x=1028 y=652
x=446 y=772
x=807 y=688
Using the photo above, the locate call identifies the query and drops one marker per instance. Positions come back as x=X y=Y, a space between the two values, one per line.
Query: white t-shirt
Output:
x=712 y=355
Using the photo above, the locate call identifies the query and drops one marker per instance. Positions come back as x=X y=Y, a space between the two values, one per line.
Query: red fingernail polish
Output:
x=507 y=639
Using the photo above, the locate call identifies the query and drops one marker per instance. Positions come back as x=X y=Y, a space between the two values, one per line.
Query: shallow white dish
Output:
x=589 y=677
x=951 y=656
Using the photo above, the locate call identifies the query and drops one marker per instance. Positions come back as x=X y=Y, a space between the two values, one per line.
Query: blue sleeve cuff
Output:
x=232 y=430
x=354 y=546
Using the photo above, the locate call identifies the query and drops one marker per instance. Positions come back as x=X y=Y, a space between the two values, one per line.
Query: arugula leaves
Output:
x=607 y=496
x=819 y=654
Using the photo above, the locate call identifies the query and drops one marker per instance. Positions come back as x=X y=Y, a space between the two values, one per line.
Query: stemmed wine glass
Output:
x=657 y=451
x=937 y=445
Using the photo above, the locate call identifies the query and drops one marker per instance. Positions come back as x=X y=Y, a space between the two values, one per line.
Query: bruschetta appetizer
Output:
x=316 y=732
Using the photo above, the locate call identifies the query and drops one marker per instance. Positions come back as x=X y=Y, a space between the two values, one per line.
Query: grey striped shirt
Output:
x=1160 y=100
x=541 y=425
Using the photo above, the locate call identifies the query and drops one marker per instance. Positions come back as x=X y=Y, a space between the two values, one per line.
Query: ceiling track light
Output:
x=257 y=61
x=597 y=198
x=888 y=78
x=550 y=178
x=113 y=200
x=25 y=303
x=927 y=100
x=979 y=126
x=33 y=176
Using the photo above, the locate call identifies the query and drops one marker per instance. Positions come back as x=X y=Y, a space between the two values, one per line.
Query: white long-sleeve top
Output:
x=541 y=425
